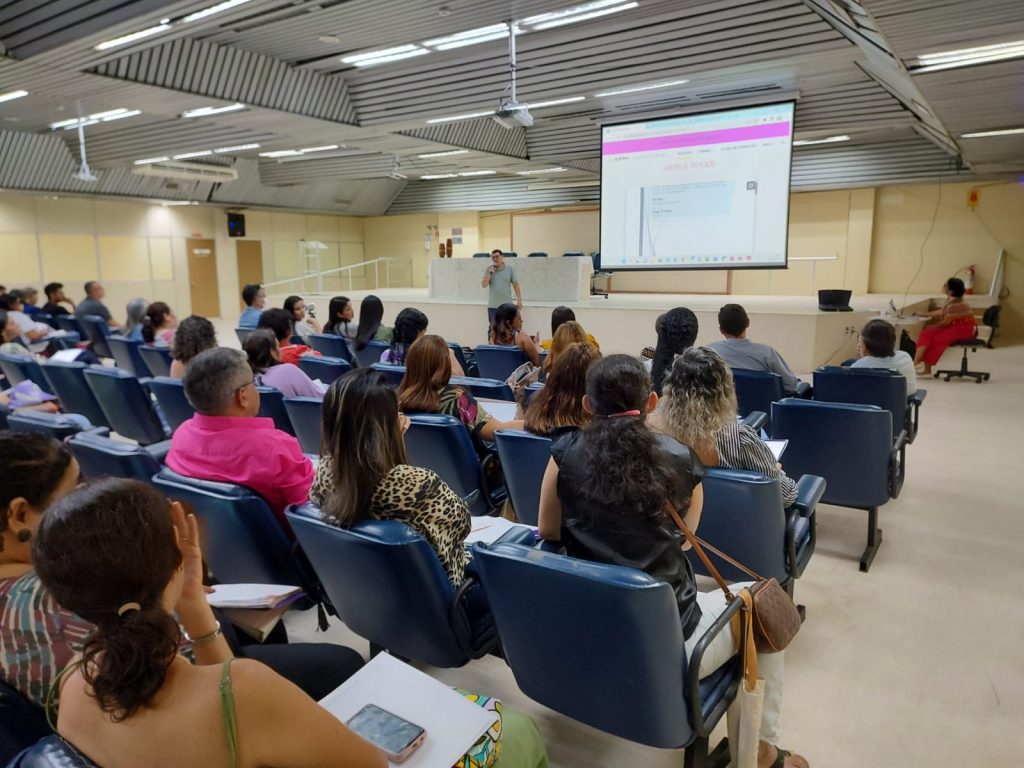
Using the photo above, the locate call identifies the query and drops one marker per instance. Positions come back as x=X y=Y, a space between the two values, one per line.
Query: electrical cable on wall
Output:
x=927 y=237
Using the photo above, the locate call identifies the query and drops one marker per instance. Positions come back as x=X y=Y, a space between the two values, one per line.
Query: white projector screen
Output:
x=706 y=191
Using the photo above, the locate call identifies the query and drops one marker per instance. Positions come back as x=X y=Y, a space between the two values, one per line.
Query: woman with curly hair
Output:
x=677 y=330
x=194 y=335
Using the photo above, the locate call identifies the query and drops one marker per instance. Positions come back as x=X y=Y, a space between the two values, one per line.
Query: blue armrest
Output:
x=755 y=420
x=159 y=450
x=898 y=464
x=918 y=397
x=803 y=389
x=809 y=490
x=554 y=547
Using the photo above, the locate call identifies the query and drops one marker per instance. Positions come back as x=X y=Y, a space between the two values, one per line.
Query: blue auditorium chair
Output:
x=127 y=405
x=243 y=540
x=56 y=425
x=19 y=368
x=756 y=391
x=371 y=353
x=272 y=407
x=498 y=361
x=170 y=395
x=243 y=334
x=127 y=356
x=329 y=345
x=388 y=586
x=97 y=332
x=22 y=724
x=5 y=413
x=157 y=359
x=755 y=420
x=628 y=674
x=100 y=457
x=71 y=324
x=537 y=255
x=852 y=447
x=530 y=391
x=393 y=374
x=872 y=386
x=46 y=317
x=51 y=752
x=460 y=356
x=442 y=443
x=67 y=381
x=305 y=416
x=524 y=457
x=327 y=369
x=490 y=388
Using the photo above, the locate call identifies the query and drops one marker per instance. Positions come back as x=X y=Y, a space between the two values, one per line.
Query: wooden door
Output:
x=250 y=265
x=202 y=277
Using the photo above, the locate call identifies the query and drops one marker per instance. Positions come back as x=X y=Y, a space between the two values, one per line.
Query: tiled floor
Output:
x=919 y=662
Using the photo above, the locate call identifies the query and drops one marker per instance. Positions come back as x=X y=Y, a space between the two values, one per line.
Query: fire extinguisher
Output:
x=969 y=280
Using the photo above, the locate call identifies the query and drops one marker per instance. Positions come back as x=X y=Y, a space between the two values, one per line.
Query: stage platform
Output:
x=624 y=322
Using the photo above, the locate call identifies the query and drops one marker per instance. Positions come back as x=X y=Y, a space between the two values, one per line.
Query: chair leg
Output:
x=874 y=540
x=698 y=756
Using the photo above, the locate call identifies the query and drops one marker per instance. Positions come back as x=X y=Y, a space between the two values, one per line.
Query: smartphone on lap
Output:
x=395 y=735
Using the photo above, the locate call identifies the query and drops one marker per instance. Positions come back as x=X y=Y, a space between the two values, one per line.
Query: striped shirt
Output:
x=740 y=447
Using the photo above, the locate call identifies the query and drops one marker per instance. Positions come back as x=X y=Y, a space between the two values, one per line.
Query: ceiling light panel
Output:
x=469 y=37
x=385 y=55
x=966 y=57
x=560 y=22
x=452 y=118
x=294 y=152
x=190 y=155
x=829 y=140
x=149 y=160
x=987 y=134
x=12 y=95
x=553 y=102
x=238 y=148
x=218 y=8
x=142 y=34
x=576 y=10
x=476 y=173
x=207 y=111
x=639 y=88
x=93 y=119
x=541 y=170
x=439 y=176
x=445 y=154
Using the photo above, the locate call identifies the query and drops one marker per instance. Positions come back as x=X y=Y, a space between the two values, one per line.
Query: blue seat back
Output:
x=524 y=457
x=327 y=369
x=442 y=443
x=19 y=368
x=157 y=359
x=126 y=404
x=56 y=425
x=868 y=386
x=272 y=407
x=305 y=416
x=71 y=324
x=537 y=255
x=243 y=540
x=127 y=356
x=620 y=626
x=531 y=390
x=170 y=394
x=490 y=388
x=460 y=356
x=497 y=361
x=756 y=391
x=100 y=457
x=386 y=583
x=392 y=373
x=51 y=752
x=371 y=353
x=329 y=345
x=97 y=331
x=848 y=445
x=67 y=381
x=45 y=317
x=243 y=334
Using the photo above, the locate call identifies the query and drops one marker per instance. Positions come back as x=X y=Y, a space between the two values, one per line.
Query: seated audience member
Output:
x=698 y=409
x=116 y=554
x=265 y=360
x=877 y=349
x=603 y=496
x=561 y=315
x=226 y=441
x=28 y=329
x=305 y=323
x=568 y=333
x=677 y=331
x=410 y=325
x=93 y=304
x=194 y=335
x=426 y=389
x=360 y=409
x=371 y=312
x=281 y=323
x=255 y=298
x=740 y=353
x=136 y=312
x=340 y=314
x=159 y=324
x=10 y=334
x=54 y=298
x=953 y=321
x=507 y=330
x=558 y=407
x=30 y=296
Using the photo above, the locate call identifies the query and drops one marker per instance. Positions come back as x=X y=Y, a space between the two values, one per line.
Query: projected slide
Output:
x=697 y=192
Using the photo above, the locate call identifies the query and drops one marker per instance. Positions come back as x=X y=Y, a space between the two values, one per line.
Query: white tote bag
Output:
x=747 y=708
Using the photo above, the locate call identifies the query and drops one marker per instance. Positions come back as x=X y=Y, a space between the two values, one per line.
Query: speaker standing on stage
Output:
x=500 y=280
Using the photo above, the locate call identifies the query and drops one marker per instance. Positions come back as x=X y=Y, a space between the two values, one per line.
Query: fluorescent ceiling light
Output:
x=149 y=160
x=293 y=152
x=125 y=39
x=181 y=202
x=218 y=8
x=238 y=148
x=985 y=134
x=574 y=11
x=638 y=88
x=12 y=95
x=318 y=149
x=206 y=111
x=467 y=116
x=439 y=176
x=553 y=102
x=445 y=154
x=469 y=37
x=93 y=119
x=966 y=57
x=541 y=170
x=187 y=155
x=829 y=140
x=476 y=173
x=384 y=55
x=559 y=22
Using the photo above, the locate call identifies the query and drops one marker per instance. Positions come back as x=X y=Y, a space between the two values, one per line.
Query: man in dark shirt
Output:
x=54 y=298
x=93 y=304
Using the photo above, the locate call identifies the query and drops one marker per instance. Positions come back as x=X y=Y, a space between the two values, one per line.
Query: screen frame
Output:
x=600 y=217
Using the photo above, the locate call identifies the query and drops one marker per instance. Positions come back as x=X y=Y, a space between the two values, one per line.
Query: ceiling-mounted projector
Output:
x=512 y=114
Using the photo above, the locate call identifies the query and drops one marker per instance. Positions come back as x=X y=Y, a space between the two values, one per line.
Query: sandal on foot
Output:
x=780 y=759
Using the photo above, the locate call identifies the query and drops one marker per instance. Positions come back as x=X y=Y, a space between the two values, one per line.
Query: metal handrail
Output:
x=348 y=268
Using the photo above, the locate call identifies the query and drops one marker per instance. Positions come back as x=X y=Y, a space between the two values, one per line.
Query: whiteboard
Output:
x=556 y=233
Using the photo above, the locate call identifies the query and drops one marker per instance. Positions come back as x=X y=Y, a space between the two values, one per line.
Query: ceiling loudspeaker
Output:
x=174 y=169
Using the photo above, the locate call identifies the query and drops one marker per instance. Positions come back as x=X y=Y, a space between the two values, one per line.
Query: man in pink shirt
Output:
x=225 y=441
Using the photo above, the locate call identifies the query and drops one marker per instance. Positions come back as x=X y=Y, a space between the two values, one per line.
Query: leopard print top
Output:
x=419 y=498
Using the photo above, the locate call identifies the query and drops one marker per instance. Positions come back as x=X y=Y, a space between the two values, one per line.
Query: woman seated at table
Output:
x=698 y=408
x=410 y=325
x=877 y=349
x=426 y=389
x=194 y=335
x=264 y=353
x=604 y=495
x=507 y=330
x=558 y=407
x=953 y=321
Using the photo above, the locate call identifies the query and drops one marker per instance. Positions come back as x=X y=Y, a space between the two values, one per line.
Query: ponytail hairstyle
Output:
x=101 y=550
x=371 y=312
x=259 y=347
x=156 y=315
x=620 y=469
x=677 y=330
x=503 y=325
x=700 y=397
x=409 y=324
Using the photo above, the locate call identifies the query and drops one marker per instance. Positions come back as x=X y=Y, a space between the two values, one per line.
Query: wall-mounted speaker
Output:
x=236 y=225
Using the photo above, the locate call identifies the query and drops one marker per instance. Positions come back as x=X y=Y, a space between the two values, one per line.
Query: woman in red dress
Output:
x=955 y=323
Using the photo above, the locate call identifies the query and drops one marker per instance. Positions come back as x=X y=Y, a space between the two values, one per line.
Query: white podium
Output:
x=562 y=279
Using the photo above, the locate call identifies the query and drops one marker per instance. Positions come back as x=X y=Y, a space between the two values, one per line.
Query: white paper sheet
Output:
x=490 y=529
x=777 y=447
x=452 y=723
x=250 y=595
x=502 y=410
x=66 y=355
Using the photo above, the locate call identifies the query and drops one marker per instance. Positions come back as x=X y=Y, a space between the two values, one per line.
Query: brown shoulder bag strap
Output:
x=695 y=543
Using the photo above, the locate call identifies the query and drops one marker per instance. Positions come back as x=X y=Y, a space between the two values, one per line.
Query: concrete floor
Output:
x=919 y=662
